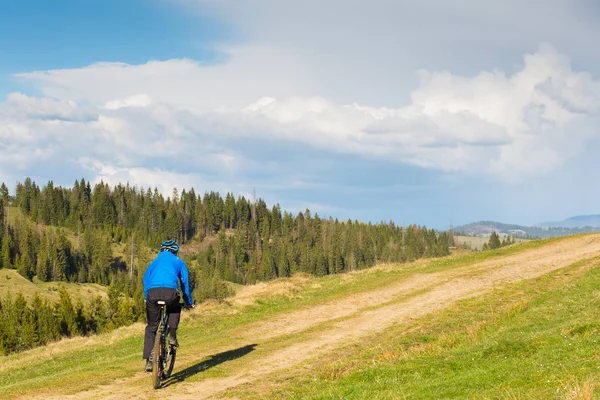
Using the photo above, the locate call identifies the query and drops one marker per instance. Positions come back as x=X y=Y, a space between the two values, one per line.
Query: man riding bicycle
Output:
x=161 y=282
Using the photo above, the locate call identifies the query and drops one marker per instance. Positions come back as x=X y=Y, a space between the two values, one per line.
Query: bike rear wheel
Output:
x=157 y=358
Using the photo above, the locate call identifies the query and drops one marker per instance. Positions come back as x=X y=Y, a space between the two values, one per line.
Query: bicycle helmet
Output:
x=169 y=245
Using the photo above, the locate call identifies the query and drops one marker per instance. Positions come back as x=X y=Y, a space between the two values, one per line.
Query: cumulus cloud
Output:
x=141 y=100
x=368 y=51
x=146 y=120
x=184 y=83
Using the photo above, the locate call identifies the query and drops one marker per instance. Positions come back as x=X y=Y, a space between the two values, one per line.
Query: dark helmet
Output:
x=169 y=245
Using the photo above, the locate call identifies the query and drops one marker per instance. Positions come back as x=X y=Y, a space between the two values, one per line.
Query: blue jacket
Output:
x=165 y=272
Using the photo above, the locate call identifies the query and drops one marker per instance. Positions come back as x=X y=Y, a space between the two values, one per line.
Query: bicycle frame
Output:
x=163 y=358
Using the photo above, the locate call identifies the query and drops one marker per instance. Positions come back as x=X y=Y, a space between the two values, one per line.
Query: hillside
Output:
x=12 y=282
x=578 y=221
x=477 y=242
x=107 y=236
x=519 y=322
x=485 y=228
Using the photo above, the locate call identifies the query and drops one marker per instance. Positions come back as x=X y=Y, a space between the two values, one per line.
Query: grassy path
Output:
x=227 y=348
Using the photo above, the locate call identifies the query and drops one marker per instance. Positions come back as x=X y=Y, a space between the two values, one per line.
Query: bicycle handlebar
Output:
x=193 y=305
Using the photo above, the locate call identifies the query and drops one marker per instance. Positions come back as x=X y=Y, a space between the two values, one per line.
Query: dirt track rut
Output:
x=351 y=318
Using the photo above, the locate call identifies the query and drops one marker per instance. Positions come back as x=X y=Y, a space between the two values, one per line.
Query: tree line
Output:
x=247 y=240
x=105 y=235
x=24 y=326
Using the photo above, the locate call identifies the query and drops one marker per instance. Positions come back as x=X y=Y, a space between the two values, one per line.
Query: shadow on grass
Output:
x=212 y=361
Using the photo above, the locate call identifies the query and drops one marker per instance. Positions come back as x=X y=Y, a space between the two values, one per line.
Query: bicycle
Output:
x=163 y=354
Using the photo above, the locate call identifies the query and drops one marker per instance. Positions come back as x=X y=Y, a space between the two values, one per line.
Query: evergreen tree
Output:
x=4 y=194
x=46 y=323
x=494 y=242
x=3 y=221
x=43 y=261
x=283 y=264
x=10 y=323
x=96 y=315
x=80 y=320
x=267 y=266
x=6 y=250
x=26 y=266
x=66 y=315
x=112 y=310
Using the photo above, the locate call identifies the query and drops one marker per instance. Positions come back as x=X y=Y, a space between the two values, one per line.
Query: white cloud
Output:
x=140 y=100
x=367 y=51
x=250 y=72
x=514 y=126
x=335 y=98
x=164 y=181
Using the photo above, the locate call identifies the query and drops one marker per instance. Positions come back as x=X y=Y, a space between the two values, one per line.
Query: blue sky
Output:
x=42 y=35
x=434 y=113
x=37 y=34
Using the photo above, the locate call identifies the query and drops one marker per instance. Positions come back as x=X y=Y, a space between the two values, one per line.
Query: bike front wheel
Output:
x=169 y=361
x=157 y=357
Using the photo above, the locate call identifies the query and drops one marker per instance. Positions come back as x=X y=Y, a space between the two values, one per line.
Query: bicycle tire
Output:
x=157 y=358
x=170 y=361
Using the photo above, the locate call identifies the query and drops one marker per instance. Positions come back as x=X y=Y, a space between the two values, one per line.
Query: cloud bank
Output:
x=182 y=122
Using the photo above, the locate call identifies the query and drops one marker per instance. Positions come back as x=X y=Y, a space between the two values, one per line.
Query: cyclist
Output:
x=161 y=282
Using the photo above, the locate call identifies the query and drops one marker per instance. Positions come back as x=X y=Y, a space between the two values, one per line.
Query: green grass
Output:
x=533 y=340
x=83 y=363
x=82 y=367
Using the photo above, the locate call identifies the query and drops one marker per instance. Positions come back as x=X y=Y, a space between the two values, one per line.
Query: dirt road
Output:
x=347 y=320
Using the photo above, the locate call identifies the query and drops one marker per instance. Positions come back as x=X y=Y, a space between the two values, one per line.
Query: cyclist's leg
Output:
x=174 y=313
x=152 y=316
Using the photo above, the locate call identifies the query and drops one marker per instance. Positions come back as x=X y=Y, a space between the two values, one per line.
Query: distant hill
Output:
x=485 y=228
x=579 y=221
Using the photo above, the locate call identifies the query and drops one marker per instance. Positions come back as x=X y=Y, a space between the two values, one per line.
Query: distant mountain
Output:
x=485 y=228
x=579 y=221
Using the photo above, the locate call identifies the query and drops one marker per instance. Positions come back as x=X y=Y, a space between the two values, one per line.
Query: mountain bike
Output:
x=163 y=354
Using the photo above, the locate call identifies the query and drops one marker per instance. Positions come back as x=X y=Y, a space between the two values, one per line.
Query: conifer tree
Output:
x=267 y=266
x=43 y=261
x=25 y=266
x=28 y=337
x=4 y=193
x=113 y=306
x=66 y=315
x=96 y=315
x=6 y=250
x=2 y=217
x=46 y=323
x=80 y=321
x=494 y=242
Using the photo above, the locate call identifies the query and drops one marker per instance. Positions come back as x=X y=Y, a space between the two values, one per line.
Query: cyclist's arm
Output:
x=185 y=285
x=147 y=281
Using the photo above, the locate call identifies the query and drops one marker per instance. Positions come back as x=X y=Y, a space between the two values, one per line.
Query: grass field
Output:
x=324 y=338
x=533 y=340
x=477 y=242
x=12 y=282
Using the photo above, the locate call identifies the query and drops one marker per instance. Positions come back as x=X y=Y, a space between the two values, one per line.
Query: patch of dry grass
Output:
x=287 y=287
x=12 y=282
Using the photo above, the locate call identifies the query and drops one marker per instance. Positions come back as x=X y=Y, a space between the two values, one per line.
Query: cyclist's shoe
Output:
x=173 y=341
x=148 y=367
